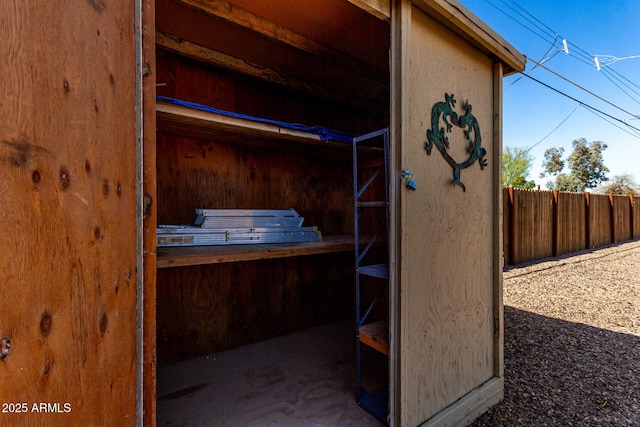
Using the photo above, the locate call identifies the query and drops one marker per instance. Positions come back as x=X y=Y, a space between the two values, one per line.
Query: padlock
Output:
x=410 y=183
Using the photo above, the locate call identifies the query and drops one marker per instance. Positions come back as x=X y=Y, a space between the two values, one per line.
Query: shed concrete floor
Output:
x=302 y=379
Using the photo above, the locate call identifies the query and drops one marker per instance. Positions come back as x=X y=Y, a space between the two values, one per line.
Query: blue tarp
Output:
x=324 y=133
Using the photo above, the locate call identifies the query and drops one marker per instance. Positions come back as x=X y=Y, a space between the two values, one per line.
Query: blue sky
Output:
x=532 y=111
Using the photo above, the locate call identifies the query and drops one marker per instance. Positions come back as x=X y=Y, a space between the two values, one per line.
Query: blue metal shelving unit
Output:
x=373 y=334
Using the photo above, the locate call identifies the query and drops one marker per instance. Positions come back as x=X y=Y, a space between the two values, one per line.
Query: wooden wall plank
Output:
x=149 y=212
x=572 y=233
x=507 y=238
x=459 y=19
x=238 y=65
x=195 y=174
x=533 y=225
x=636 y=217
x=67 y=175
x=447 y=270
x=205 y=309
x=600 y=220
x=498 y=255
x=400 y=107
x=621 y=218
x=187 y=80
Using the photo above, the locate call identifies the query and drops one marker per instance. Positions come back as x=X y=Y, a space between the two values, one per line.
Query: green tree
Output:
x=516 y=164
x=566 y=182
x=552 y=163
x=586 y=165
x=624 y=184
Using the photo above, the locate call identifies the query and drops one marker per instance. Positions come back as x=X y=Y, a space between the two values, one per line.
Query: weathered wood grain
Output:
x=532 y=225
x=571 y=233
x=198 y=255
x=149 y=212
x=621 y=218
x=210 y=308
x=600 y=231
x=281 y=34
x=447 y=261
x=636 y=216
x=179 y=77
x=68 y=184
x=376 y=335
x=244 y=49
x=381 y=9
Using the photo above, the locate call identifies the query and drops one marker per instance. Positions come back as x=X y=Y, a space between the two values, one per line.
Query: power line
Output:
x=584 y=89
x=622 y=79
x=518 y=22
x=605 y=60
x=555 y=128
x=527 y=19
x=583 y=103
x=583 y=53
x=614 y=124
x=612 y=75
x=576 y=52
x=587 y=59
x=545 y=33
x=532 y=16
x=543 y=60
x=611 y=79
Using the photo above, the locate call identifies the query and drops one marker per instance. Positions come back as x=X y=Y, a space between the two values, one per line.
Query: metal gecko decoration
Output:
x=437 y=135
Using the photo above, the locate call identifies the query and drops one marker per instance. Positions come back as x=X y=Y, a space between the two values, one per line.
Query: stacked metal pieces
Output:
x=237 y=227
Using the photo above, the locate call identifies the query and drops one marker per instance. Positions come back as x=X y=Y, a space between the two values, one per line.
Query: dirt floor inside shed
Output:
x=301 y=379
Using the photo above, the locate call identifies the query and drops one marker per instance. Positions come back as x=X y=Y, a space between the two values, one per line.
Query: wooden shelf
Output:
x=197 y=123
x=376 y=336
x=177 y=117
x=198 y=255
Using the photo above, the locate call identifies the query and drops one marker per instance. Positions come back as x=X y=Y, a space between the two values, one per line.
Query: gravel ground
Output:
x=572 y=341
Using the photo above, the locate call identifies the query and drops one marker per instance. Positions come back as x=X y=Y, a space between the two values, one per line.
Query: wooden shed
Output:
x=378 y=122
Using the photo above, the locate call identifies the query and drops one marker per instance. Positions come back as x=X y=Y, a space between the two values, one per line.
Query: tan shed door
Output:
x=446 y=289
x=68 y=213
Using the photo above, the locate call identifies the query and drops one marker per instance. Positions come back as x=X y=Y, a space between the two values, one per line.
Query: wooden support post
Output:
x=632 y=231
x=612 y=211
x=636 y=214
x=147 y=116
x=555 y=232
x=587 y=220
x=511 y=229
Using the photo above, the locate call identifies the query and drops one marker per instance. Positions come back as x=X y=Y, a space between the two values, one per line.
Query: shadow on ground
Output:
x=570 y=256
x=559 y=373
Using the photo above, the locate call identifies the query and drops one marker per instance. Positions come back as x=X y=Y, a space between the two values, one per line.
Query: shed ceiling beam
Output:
x=228 y=62
x=274 y=31
x=381 y=9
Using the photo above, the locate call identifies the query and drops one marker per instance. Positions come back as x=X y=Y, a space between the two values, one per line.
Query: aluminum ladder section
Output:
x=373 y=334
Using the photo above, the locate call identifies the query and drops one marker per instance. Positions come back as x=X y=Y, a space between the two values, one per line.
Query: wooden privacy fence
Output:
x=540 y=224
